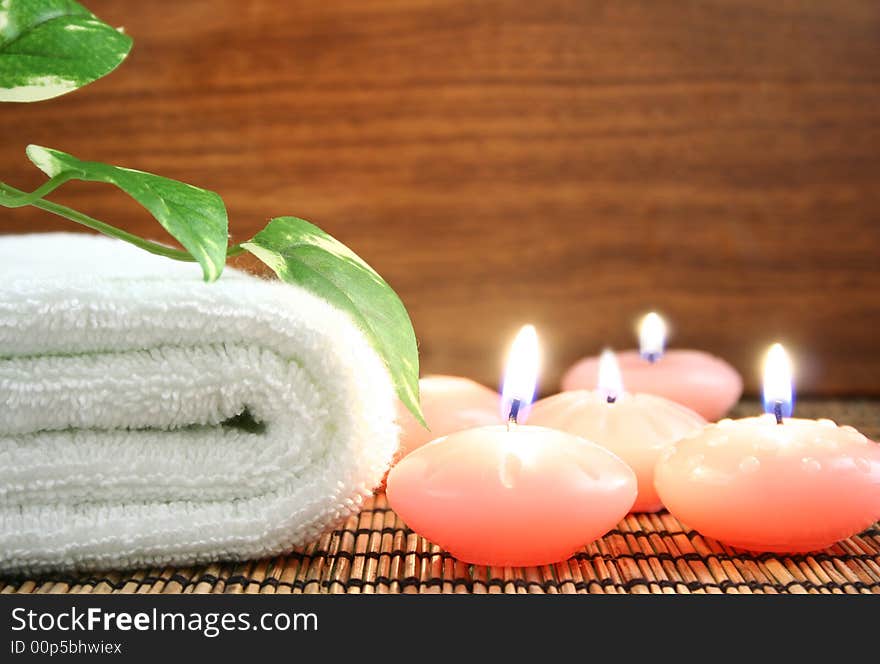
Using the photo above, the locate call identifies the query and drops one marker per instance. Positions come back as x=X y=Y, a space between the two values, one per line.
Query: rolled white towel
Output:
x=149 y=418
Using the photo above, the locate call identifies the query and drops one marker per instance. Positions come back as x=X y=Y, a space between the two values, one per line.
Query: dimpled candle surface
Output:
x=449 y=404
x=757 y=485
x=528 y=496
x=636 y=427
x=698 y=380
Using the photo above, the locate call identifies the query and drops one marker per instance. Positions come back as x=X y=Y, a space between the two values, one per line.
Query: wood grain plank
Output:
x=568 y=163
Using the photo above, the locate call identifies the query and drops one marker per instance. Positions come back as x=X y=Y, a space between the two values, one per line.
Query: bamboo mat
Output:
x=374 y=552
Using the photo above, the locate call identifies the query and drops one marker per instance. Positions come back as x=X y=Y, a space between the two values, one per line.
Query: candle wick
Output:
x=777 y=411
x=651 y=356
x=611 y=398
x=514 y=412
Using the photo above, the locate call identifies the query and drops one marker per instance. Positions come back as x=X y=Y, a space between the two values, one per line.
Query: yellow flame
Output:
x=521 y=375
x=652 y=335
x=610 y=383
x=778 y=373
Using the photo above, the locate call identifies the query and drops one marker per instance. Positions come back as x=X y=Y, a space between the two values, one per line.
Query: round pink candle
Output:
x=512 y=494
x=773 y=483
x=636 y=427
x=523 y=497
x=450 y=404
x=698 y=380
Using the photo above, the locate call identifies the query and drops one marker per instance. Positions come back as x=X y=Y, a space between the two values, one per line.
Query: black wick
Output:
x=777 y=411
x=611 y=398
x=514 y=411
x=651 y=356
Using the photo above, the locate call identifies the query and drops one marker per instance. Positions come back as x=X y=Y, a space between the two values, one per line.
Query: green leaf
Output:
x=195 y=217
x=301 y=253
x=51 y=47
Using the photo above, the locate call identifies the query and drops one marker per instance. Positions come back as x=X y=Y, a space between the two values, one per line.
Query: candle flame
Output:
x=521 y=375
x=652 y=336
x=610 y=383
x=778 y=384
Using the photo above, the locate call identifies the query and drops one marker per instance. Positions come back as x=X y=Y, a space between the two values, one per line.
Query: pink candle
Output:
x=512 y=494
x=695 y=379
x=450 y=404
x=636 y=427
x=773 y=483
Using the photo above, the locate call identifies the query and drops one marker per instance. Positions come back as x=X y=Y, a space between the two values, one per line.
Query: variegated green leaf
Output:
x=51 y=47
x=301 y=253
x=195 y=217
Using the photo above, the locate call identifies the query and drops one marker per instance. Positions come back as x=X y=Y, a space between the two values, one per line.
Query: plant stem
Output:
x=112 y=231
x=18 y=198
x=15 y=198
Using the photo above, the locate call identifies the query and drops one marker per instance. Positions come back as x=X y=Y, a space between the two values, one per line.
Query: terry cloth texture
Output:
x=149 y=418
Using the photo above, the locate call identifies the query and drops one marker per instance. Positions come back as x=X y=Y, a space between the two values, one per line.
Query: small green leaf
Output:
x=301 y=253
x=195 y=217
x=51 y=47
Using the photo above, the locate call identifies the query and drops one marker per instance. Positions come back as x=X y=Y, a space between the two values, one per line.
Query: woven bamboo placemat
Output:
x=374 y=552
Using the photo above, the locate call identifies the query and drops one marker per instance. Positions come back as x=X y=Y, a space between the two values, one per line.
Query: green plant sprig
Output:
x=297 y=251
x=51 y=47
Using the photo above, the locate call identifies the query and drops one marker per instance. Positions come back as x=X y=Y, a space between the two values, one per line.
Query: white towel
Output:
x=120 y=372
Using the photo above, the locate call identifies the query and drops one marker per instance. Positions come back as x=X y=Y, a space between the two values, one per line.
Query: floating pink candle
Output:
x=773 y=483
x=636 y=427
x=450 y=404
x=512 y=494
x=695 y=379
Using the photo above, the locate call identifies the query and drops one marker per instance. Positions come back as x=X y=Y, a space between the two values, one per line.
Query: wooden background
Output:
x=566 y=163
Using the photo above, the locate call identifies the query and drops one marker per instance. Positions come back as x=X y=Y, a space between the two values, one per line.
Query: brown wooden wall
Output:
x=569 y=163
